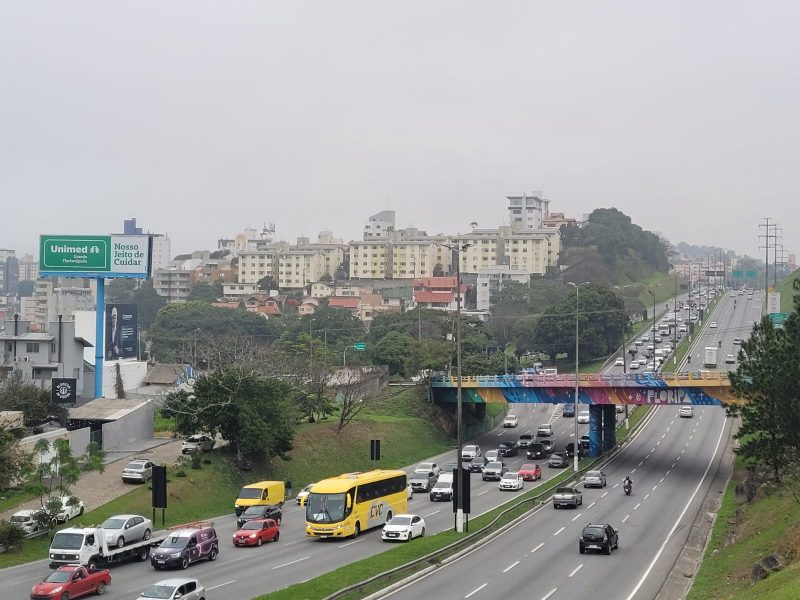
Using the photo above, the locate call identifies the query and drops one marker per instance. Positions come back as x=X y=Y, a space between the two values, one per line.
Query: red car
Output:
x=256 y=532
x=530 y=472
x=71 y=581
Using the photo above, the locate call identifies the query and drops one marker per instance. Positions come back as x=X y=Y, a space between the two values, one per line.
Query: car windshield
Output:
x=59 y=576
x=425 y=467
x=67 y=541
x=494 y=465
x=400 y=521
x=527 y=468
x=16 y=519
x=594 y=531
x=252 y=525
x=113 y=524
x=247 y=493
x=469 y=449
x=421 y=474
x=558 y=455
x=174 y=541
x=510 y=475
x=478 y=460
x=325 y=508
x=163 y=592
x=593 y=474
x=254 y=510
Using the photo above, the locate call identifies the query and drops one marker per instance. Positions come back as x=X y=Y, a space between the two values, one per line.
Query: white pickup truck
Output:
x=87 y=546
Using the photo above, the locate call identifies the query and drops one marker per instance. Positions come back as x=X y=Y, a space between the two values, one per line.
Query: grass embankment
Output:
x=787 y=291
x=744 y=533
x=14 y=497
x=404 y=422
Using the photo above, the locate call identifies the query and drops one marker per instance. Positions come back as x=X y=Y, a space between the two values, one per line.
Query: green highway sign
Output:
x=360 y=346
x=94 y=255
x=778 y=319
x=738 y=274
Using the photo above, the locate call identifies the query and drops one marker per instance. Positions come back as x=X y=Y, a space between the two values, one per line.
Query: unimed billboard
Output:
x=94 y=255
x=122 y=331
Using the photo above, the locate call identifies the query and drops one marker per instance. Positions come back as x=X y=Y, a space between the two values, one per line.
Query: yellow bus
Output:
x=354 y=502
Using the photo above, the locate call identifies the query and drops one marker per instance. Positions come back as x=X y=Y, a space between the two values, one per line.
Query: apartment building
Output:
x=56 y=296
x=532 y=251
x=528 y=212
x=173 y=284
x=400 y=258
x=28 y=268
x=493 y=279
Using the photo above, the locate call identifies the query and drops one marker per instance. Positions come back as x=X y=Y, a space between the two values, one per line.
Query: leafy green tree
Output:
x=492 y=363
x=438 y=270
x=393 y=350
x=12 y=459
x=130 y=291
x=337 y=327
x=256 y=415
x=267 y=283
x=205 y=291
x=33 y=401
x=435 y=355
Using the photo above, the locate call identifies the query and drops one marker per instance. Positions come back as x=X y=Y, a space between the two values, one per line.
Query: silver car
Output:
x=123 y=529
x=594 y=479
x=139 y=470
x=171 y=589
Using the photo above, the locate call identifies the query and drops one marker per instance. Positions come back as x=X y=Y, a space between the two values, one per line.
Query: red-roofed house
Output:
x=438 y=292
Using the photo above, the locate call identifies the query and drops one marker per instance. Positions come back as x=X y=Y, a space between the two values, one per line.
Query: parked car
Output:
x=256 y=532
x=526 y=439
x=493 y=470
x=476 y=464
x=470 y=451
x=599 y=537
x=403 y=527
x=197 y=443
x=535 y=451
x=72 y=581
x=737 y=340
x=583 y=416
x=260 y=511
x=544 y=430
x=530 y=472
x=138 y=470
x=172 y=589
x=184 y=546
x=730 y=359
x=429 y=466
x=567 y=496
x=123 y=529
x=71 y=507
x=508 y=449
x=558 y=460
x=686 y=412
x=510 y=421
x=511 y=480
x=422 y=481
x=568 y=410
x=26 y=520
x=302 y=495
x=594 y=479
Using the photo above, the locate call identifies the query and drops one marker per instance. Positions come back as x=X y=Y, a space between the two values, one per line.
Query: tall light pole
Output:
x=576 y=445
x=458 y=248
x=652 y=290
x=624 y=349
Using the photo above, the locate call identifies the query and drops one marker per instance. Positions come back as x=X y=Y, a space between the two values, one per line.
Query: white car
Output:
x=510 y=421
x=712 y=325
x=68 y=511
x=138 y=469
x=302 y=495
x=737 y=341
x=429 y=466
x=634 y=365
x=26 y=520
x=544 y=430
x=730 y=359
x=403 y=528
x=178 y=587
x=620 y=362
x=471 y=451
x=123 y=529
x=492 y=455
x=511 y=480
x=197 y=443
x=686 y=411
x=583 y=416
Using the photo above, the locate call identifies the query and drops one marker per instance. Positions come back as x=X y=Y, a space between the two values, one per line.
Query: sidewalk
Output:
x=95 y=489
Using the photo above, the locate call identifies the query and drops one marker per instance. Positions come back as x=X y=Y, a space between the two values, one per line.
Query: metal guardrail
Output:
x=437 y=556
x=586 y=377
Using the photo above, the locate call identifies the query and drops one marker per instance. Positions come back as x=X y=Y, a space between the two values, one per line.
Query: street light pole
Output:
x=576 y=445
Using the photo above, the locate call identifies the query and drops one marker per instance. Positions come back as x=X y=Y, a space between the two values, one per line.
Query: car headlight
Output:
x=176 y=555
x=252 y=535
x=52 y=556
x=57 y=590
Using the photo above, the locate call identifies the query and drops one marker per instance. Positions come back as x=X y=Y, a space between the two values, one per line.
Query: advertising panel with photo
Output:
x=122 y=331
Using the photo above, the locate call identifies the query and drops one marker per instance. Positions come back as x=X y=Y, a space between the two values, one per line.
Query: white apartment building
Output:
x=528 y=212
x=28 y=268
x=173 y=284
x=531 y=251
x=400 y=259
x=379 y=225
x=52 y=298
x=299 y=268
x=493 y=279
x=162 y=252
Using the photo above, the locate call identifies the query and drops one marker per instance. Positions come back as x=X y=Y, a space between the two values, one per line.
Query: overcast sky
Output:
x=202 y=118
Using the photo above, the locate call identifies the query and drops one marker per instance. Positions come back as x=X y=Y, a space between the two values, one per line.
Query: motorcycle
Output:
x=627 y=489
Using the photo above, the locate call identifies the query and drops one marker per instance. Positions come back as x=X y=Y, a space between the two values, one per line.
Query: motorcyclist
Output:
x=720 y=343
x=627 y=483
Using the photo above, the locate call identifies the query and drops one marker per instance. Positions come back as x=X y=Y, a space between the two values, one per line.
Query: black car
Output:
x=508 y=449
x=569 y=450
x=265 y=511
x=476 y=464
x=547 y=445
x=558 y=460
x=535 y=451
x=598 y=537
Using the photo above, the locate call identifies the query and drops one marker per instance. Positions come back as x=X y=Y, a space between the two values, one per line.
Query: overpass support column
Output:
x=595 y=430
x=609 y=426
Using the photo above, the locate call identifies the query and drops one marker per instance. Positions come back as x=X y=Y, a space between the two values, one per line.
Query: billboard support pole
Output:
x=100 y=315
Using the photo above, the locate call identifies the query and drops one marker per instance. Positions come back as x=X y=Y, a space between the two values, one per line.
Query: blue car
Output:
x=568 y=410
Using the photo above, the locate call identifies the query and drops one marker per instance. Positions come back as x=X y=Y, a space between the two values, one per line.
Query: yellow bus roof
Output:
x=347 y=481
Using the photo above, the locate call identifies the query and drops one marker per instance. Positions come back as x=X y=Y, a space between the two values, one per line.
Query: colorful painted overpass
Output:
x=599 y=392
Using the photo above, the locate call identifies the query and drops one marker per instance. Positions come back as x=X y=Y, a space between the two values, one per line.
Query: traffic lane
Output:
x=545 y=542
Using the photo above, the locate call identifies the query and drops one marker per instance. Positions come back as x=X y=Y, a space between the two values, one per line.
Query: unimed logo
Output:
x=56 y=249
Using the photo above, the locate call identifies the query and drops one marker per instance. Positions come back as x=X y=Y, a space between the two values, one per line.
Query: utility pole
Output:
x=766 y=225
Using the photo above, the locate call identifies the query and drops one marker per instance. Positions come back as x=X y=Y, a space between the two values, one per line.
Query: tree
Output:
x=435 y=355
x=255 y=414
x=326 y=278
x=33 y=401
x=218 y=254
x=438 y=270
x=766 y=379
x=267 y=283
x=12 y=459
x=205 y=291
x=351 y=397
x=393 y=350
x=119 y=384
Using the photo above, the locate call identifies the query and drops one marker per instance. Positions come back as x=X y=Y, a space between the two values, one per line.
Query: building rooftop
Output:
x=105 y=409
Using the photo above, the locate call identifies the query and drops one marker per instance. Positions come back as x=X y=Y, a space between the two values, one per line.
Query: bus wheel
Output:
x=357 y=530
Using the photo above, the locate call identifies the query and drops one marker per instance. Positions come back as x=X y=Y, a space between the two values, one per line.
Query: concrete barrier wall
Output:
x=130 y=429
x=78 y=440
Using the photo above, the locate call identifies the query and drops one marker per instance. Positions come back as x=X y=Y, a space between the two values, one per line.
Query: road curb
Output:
x=681 y=576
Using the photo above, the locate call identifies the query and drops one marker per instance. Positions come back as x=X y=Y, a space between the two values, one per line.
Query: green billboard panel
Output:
x=94 y=255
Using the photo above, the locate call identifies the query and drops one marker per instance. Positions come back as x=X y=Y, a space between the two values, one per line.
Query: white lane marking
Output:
x=690 y=437
x=482 y=493
x=576 y=517
x=634 y=471
x=476 y=590
x=509 y=567
x=290 y=563
x=637 y=506
x=652 y=564
x=213 y=587
x=660 y=481
x=550 y=593
x=604 y=494
x=673 y=466
x=626 y=518
x=641 y=463
x=668 y=428
x=537 y=547
x=559 y=531
x=591 y=505
x=646 y=457
x=658 y=443
x=433 y=513
x=501 y=433
x=667 y=473
x=683 y=451
x=653 y=450
x=677 y=459
x=616 y=485
x=351 y=543
x=646 y=497
x=663 y=435
x=578 y=568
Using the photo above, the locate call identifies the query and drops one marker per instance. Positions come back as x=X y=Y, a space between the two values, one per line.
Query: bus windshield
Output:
x=325 y=508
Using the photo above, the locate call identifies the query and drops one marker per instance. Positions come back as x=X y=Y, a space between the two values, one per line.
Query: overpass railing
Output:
x=544 y=380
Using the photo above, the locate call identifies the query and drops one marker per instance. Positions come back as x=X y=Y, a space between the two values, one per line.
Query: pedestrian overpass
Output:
x=599 y=393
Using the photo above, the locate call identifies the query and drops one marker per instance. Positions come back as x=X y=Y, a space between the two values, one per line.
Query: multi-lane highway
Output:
x=671 y=461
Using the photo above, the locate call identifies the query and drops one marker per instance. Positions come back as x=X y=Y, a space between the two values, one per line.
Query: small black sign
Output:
x=64 y=390
x=374 y=449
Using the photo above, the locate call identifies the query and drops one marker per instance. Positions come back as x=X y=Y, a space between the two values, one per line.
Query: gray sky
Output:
x=201 y=118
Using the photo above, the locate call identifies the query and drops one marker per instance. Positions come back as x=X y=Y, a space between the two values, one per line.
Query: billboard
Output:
x=773 y=302
x=94 y=255
x=122 y=331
